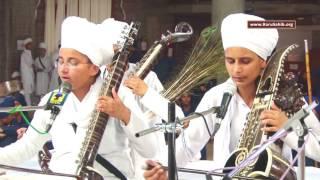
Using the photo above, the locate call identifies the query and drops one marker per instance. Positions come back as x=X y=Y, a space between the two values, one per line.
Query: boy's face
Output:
x=76 y=68
x=29 y=46
x=42 y=52
x=185 y=99
x=243 y=65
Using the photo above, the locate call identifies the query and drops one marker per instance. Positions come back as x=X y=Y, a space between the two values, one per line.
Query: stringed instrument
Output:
x=183 y=32
x=99 y=120
x=281 y=88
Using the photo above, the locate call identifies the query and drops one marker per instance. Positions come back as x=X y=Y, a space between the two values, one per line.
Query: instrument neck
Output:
x=148 y=60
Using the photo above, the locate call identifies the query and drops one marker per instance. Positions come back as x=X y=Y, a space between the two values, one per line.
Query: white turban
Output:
x=86 y=37
x=235 y=33
x=27 y=40
x=42 y=45
x=112 y=30
x=15 y=74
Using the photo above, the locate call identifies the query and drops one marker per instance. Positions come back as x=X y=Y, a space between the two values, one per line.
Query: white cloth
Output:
x=43 y=67
x=27 y=40
x=67 y=143
x=235 y=33
x=87 y=38
x=43 y=45
x=27 y=72
x=312 y=147
x=196 y=136
x=15 y=75
x=154 y=83
x=151 y=80
x=158 y=105
x=112 y=30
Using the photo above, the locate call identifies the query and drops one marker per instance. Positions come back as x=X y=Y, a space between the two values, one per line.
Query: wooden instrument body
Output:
x=270 y=163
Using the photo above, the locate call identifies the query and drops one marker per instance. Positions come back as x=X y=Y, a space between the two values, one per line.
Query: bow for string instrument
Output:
x=98 y=121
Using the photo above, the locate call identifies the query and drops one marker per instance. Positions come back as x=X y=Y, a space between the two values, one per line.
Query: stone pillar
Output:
x=221 y=8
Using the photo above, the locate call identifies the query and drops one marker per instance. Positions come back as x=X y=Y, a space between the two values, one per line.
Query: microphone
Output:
x=227 y=95
x=56 y=101
x=230 y=89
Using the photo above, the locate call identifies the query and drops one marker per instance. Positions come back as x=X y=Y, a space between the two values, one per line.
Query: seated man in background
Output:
x=11 y=127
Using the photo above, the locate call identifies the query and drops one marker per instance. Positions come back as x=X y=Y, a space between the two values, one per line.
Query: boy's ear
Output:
x=95 y=70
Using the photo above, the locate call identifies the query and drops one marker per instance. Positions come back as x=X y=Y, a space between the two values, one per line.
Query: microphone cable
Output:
x=18 y=109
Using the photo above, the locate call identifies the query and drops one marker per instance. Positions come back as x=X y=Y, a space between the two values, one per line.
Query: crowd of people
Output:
x=37 y=76
x=38 y=73
x=85 y=60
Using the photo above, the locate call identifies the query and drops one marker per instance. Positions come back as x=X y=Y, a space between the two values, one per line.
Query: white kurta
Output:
x=196 y=136
x=312 y=147
x=157 y=104
x=27 y=73
x=114 y=146
x=151 y=80
x=154 y=83
x=43 y=67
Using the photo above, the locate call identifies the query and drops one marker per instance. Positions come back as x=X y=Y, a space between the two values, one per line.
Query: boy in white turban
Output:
x=43 y=67
x=84 y=47
x=246 y=54
x=27 y=70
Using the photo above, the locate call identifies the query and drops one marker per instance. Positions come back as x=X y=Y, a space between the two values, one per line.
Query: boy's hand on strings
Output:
x=272 y=120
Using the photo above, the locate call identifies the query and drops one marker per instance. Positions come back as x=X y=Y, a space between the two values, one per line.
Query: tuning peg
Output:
x=135 y=31
x=130 y=40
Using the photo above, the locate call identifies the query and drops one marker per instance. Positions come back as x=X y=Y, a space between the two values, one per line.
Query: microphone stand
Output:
x=54 y=111
x=172 y=169
x=297 y=121
x=178 y=123
x=20 y=169
x=301 y=159
x=23 y=108
x=171 y=128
